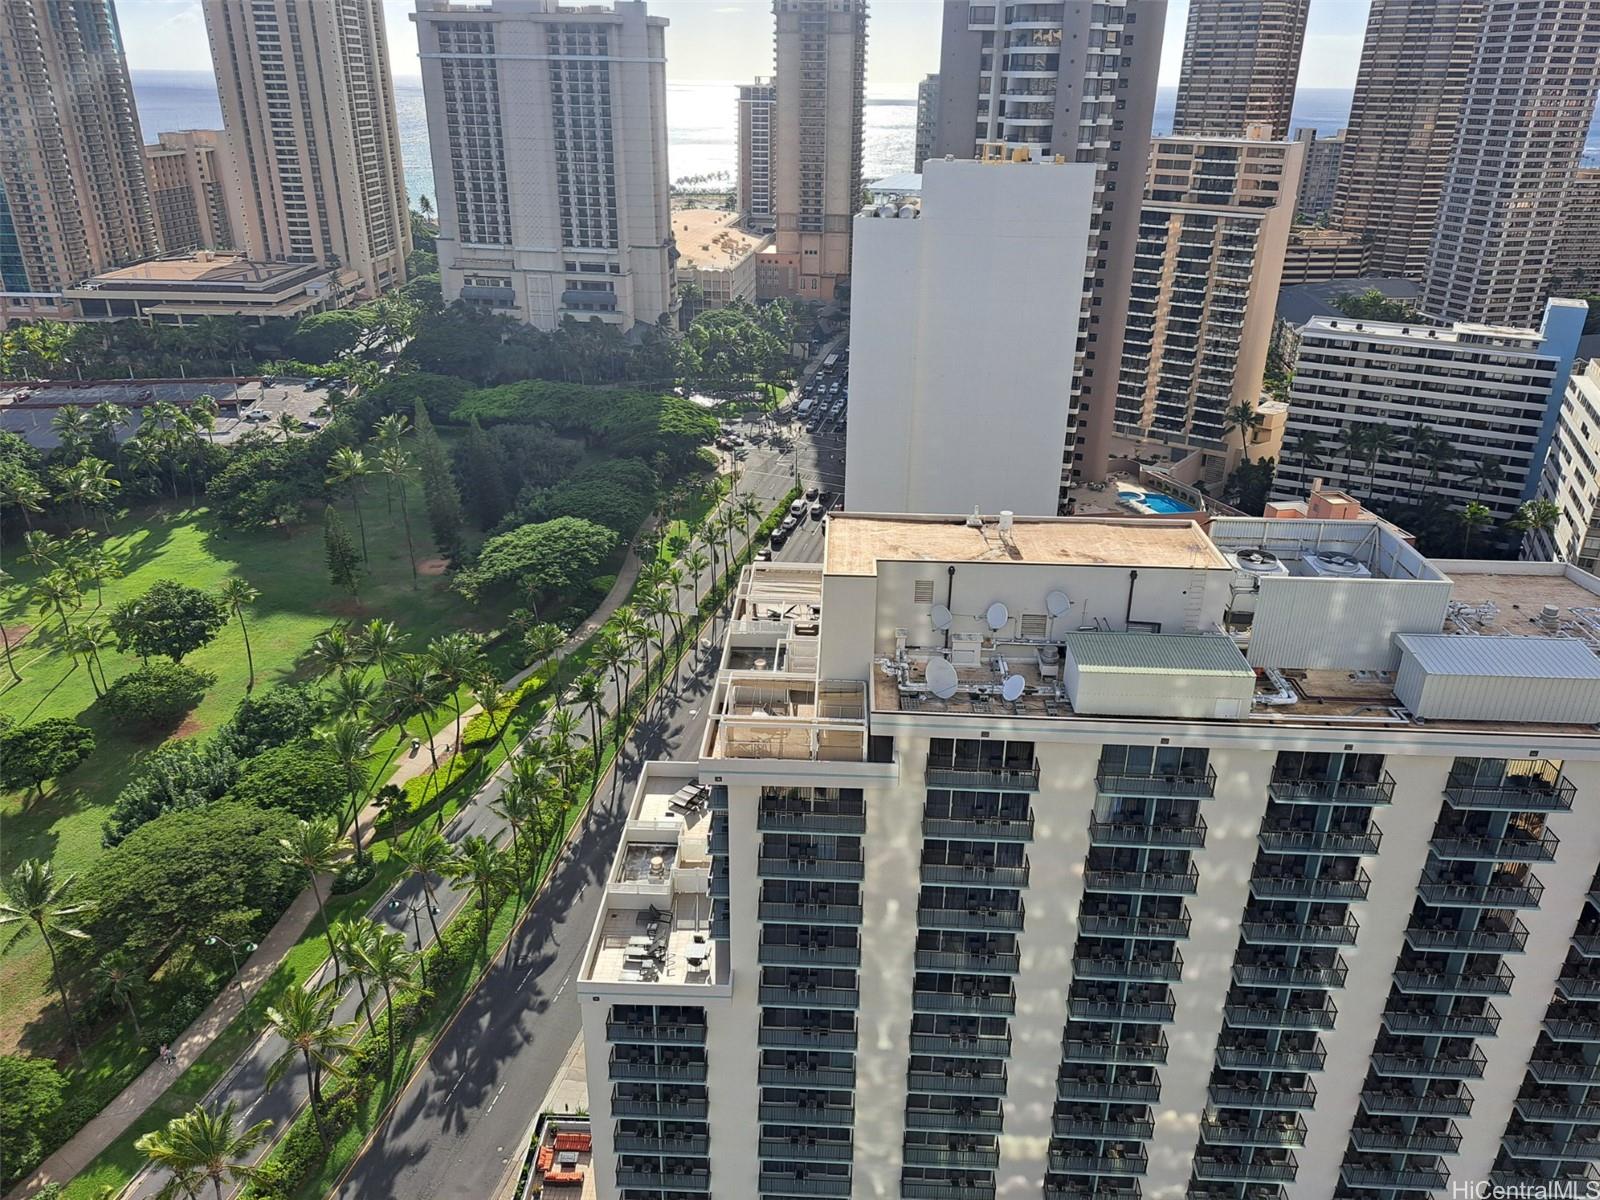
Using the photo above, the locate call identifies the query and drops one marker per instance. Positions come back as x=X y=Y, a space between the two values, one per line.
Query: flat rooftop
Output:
x=656 y=945
x=857 y=541
x=1518 y=599
x=205 y=269
x=709 y=239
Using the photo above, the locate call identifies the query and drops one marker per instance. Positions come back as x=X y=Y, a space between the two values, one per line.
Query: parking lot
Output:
x=29 y=410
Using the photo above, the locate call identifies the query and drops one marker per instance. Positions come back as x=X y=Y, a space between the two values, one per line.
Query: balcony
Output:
x=1303 y=887
x=797 y=1037
x=1575 y=986
x=1119 y=1051
x=1587 y=944
x=795 y=1183
x=1547 y=791
x=1156 y=785
x=1284 y=933
x=1094 y=1088
x=983 y=779
x=1265 y=975
x=1402 y=1103
x=670 y=1110
x=689 y=1181
x=1443 y=1024
x=1295 y=790
x=1280 y=840
x=772 y=866
x=1564 y=1029
x=936 y=1156
x=628 y=1069
x=1245 y=1016
x=617 y=1031
x=805 y=1149
x=1102 y=1130
x=1540 y=848
x=630 y=1143
x=1575 y=1149
x=961 y=1045
x=1557 y=1070
x=810 y=996
x=1000 y=829
x=1447 y=893
x=1499 y=941
x=1458 y=983
x=982 y=874
x=1130 y=970
x=807 y=1114
x=1001 y=1003
x=1139 y=834
x=1395 y=1141
x=1098 y=1164
x=790 y=820
x=1223 y=1170
x=951 y=1121
x=1126 y=925
x=927 y=1189
x=809 y=914
x=969 y=918
x=1429 y=1066
x=1393 y=1177
x=1269 y=1133
x=1149 y=883
x=1575 y=1112
x=956 y=1083
x=803 y=1075
x=1244 y=1058
x=1271 y=1096
x=1120 y=1010
x=980 y=961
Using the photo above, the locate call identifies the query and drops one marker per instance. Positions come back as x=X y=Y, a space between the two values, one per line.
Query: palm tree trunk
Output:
x=333 y=949
x=314 y=1095
x=5 y=640
x=516 y=856
x=361 y=522
x=357 y=803
x=411 y=554
x=249 y=657
x=388 y=1024
x=433 y=903
x=133 y=1015
x=61 y=987
x=366 y=1005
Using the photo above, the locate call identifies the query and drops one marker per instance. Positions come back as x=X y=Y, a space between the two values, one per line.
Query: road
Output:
x=463 y=1113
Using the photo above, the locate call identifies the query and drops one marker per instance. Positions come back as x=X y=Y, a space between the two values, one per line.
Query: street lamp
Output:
x=233 y=953
x=414 y=907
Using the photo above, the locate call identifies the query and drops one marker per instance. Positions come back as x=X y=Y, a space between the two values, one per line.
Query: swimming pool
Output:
x=1153 y=502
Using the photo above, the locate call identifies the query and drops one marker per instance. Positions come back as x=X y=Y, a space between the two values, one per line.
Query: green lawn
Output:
x=296 y=603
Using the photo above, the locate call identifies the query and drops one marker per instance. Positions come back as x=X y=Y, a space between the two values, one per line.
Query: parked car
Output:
x=764 y=554
x=780 y=535
x=797 y=509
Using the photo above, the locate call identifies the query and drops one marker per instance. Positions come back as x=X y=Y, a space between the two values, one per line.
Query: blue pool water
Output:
x=1155 y=502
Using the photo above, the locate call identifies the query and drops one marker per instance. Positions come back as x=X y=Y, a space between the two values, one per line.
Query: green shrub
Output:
x=353 y=876
x=275 y=717
x=30 y=1103
x=156 y=696
x=302 y=778
x=177 y=775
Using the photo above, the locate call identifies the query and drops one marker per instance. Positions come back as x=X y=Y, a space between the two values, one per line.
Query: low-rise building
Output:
x=175 y=290
x=1316 y=255
x=1571 y=478
x=716 y=256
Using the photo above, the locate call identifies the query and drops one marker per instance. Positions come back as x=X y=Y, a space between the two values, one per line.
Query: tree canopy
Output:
x=30 y=1097
x=302 y=778
x=549 y=556
x=274 y=717
x=156 y=696
x=171 y=618
x=47 y=749
x=177 y=775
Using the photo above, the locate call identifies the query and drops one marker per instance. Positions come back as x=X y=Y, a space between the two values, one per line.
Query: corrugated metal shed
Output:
x=1503 y=678
x=1156 y=675
x=1161 y=652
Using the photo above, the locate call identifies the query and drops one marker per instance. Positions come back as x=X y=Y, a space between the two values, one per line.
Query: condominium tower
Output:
x=1212 y=239
x=73 y=197
x=549 y=135
x=1529 y=99
x=1319 y=173
x=1098 y=857
x=758 y=103
x=308 y=107
x=927 y=119
x=1076 y=80
x=189 y=192
x=1571 y=478
x=1577 y=256
x=1240 y=62
x=821 y=52
x=1415 y=60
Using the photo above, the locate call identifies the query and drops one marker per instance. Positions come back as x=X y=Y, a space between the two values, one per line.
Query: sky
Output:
x=730 y=40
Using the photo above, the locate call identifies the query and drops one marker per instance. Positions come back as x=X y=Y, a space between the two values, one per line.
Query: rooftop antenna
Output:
x=996 y=615
x=1012 y=687
x=942 y=678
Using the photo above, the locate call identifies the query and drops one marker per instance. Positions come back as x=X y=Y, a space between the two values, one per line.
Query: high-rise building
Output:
x=312 y=140
x=1005 y=870
x=1240 y=62
x=73 y=196
x=1529 y=99
x=1571 y=478
x=758 y=102
x=1577 y=255
x=1464 y=413
x=1212 y=238
x=548 y=128
x=1319 y=173
x=821 y=51
x=934 y=425
x=927 y=119
x=1078 y=81
x=1403 y=121
x=1315 y=255
x=189 y=191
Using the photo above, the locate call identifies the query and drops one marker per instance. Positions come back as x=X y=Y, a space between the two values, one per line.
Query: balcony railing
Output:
x=1124 y=925
x=793 y=820
x=1000 y=829
x=944 y=1120
x=805 y=1149
x=1430 y=1066
x=956 y=1083
x=1246 y=1016
x=774 y=866
x=806 y=1114
x=964 y=1002
x=1231 y=1133
x=1447 y=893
x=1241 y=1058
x=1085 y=1088
x=622 y=1068
x=1297 y=790
x=1311 y=841
x=1393 y=1177
x=620 y=1031
x=1548 y=791
x=810 y=996
x=796 y=1184
x=1502 y=941
x=803 y=1076
x=1132 y=970
x=983 y=779
x=936 y=1156
x=981 y=961
x=926 y=1189
x=1232 y=1171
x=1565 y=1029
x=1459 y=983
x=1541 y=848
x=1156 y=784
x=984 y=874
x=1285 y=933
x=809 y=914
x=961 y=1045
x=964 y=918
x=1268 y=1097
x=1303 y=887
x=1575 y=1112
x=1391 y=1141
x=1138 y=833
x=1574 y=1149
x=627 y=1143
x=1402 y=1103
x=1556 y=1070
x=1153 y=883
x=805 y=1039
x=1109 y=1129
x=1121 y=1051
x=1576 y=986
x=696 y=1181
x=1141 y=1012
x=794 y=954
x=1443 y=1024
x=672 y=1110
x=1267 y=975
x=1098 y=1164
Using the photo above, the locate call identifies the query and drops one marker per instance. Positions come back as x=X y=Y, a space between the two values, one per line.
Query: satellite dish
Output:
x=940 y=617
x=942 y=680
x=997 y=615
x=1057 y=603
x=1012 y=687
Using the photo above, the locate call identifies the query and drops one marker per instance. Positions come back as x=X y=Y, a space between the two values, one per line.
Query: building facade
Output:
x=935 y=426
x=1571 y=478
x=1240 y=62
x=1317 y=255
x=717 y=256
x=1000 y=874
x=73 y=195
x=1404 y=116
x=1490 y=396
x=313 y=144
x=927 y=119
x=1212 y=236
x=189 y=192
x=758 y=102
x=821 y=52
x=1577 y=256
x=1319 y=173
x=1004 y=81
x=1529 y=99
x=549 y=137
x=179 y=289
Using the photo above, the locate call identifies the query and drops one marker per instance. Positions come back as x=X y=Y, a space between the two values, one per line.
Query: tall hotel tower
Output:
x=1076 y=80
x=1101 y=858
x=1240 y=62
x=549 y=134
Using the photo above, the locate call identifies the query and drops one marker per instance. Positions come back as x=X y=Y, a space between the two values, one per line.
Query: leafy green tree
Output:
x=182 y=774
x=1244 y=418
x=479 y=470
x=47 y=749
x=301 y=778
x=1473 y=517
x=205 y=1144
x=353 y=936
x=305 y=1021
x=238 y=595
x=1373 y=305
x=171 y=618
x=546 y=558
x=36 y=900
x=1536 y=516
x=344 y=563
x=277 y=716
x=31 y=1092
x=155 y=696
x=385 y=961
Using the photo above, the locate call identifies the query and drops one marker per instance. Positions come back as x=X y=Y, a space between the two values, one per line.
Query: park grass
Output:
x=296 y=603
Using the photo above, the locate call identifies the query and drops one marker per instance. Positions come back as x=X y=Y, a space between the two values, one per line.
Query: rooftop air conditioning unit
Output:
x=1334 y=564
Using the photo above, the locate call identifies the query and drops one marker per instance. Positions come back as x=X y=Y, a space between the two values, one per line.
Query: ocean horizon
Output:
x=701 y=124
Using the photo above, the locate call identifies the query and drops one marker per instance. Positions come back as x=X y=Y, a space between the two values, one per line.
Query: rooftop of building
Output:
x=709 y=239
x=203 y=269
x=858 y=541
x=1299 y=303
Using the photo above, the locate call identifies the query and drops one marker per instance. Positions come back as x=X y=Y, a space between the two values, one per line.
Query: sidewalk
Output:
x=131 y=1103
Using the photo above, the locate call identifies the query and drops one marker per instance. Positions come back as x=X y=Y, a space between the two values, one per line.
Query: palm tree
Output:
x=350 y=745
x=590 y=691
x=695 y=562
x=636 y=630
x=314 y=847
x=1380 y=441
x=385 y=961
x=236 y=593
x=395 y=464
x=103 y=422
x=351 y=697
x=98 y=568
x=85 y=642
x=1353 y=446
x=1536 y=516
x=541 y=641
x=750 y=515
x=611 y=651
x=1244 y=418
x=21 y=490
x=425 y=854
x=482 y=865
x=287 y=425
x=1487 y=474
x=36 y=899
x=71 y=426
x=205 y=1144
x=561 y=745
x=456 y=658
x=305 y=1021
x=497 y=704
x=88 y=483
x=1473 y=518
x=204 y=411
x=334 y=652
x=117 y=981
x=41 y=549
x=414 y=688
x=518 y=807
x=5 y=638
x=346 y=469
x=353 y=937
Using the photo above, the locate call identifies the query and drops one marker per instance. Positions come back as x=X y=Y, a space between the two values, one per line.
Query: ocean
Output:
x=701 y=124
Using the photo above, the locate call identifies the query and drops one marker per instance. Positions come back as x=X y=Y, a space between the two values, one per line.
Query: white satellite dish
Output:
x=997 y=615
x=940 y=616
x=1012 y=687
x=942 y=680
x=1056 y=602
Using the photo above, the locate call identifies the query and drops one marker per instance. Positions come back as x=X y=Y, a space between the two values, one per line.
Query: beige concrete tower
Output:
x=821 y=50
x=758 y=106
x=1240 y=62
x=1578 y=236
x=189 y=173
x=1403 y=121
x=1529 y=100
x=308 y=106
x=1004 y=82
x=73 y=197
